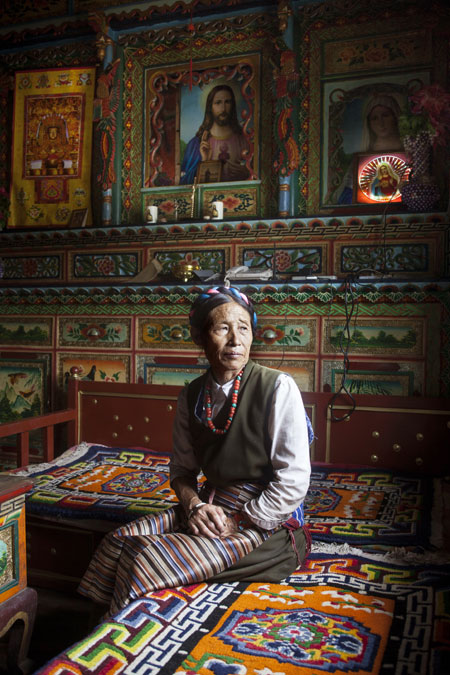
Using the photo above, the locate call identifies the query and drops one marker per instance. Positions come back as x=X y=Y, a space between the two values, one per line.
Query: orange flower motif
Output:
x=190 y=260
x=376 y=55
x=167 y=206
x=230 y=203
x=282 y=260
x=347 y=54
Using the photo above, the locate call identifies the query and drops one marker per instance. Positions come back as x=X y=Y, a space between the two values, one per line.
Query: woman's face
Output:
x=382 y=122
x=228 y=340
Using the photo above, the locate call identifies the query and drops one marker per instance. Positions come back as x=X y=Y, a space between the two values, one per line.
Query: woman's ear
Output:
x=196 y=336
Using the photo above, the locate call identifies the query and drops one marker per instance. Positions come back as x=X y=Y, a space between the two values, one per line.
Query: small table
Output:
x=17 y=602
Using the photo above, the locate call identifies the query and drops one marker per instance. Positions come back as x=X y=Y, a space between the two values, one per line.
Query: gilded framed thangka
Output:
x=52 y=143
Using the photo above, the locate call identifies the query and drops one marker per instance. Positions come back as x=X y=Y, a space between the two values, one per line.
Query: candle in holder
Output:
x=152 y=214
x=217 y=211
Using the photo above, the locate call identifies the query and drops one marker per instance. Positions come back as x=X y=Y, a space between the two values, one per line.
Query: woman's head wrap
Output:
x=212 y=298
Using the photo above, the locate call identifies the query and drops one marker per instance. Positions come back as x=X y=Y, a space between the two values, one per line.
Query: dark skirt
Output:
x=272 y=561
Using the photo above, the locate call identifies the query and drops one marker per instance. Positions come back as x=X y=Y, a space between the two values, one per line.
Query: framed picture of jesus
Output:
x=209 y=114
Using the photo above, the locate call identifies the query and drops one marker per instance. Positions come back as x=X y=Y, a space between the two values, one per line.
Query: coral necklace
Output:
x=234 y=398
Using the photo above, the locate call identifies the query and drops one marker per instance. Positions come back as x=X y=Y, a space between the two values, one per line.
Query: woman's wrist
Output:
x=192 y=510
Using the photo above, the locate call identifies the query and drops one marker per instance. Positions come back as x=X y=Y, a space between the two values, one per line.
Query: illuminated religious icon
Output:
x=385 y=183
x=379 y=177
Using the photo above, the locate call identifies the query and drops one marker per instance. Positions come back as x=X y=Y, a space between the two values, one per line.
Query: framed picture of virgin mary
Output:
x=358 y=77
x=362 y=124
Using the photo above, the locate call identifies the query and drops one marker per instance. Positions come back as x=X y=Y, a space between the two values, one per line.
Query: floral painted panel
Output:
x=376 y=336
x=214 y=259
x=29 y=332
x=32 y=267
x=297 y=335
x=401 y=257
x=377 y=52
x=236 y=202
x=92 y=331
x=302 y=260
x=165 y=332
x=109 y=265
x=172 y=207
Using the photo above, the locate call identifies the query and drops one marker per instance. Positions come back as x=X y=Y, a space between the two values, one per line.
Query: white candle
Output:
x=152 y=214
x=217 y=211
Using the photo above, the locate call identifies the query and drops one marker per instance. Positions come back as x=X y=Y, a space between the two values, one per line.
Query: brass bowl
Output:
x=184 y=271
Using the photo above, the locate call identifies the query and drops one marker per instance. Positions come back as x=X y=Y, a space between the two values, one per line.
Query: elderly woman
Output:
x=244 y=426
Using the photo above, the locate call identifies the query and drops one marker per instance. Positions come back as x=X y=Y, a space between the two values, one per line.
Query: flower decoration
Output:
x=429 y=113
x=4 y=208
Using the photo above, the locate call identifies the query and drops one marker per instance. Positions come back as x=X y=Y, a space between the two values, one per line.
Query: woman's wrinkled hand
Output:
x=212 y=521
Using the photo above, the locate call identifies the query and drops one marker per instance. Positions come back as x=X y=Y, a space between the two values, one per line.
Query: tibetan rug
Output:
x=371 y=506
x=96 y=481
x=353 y=505
x=339 y=614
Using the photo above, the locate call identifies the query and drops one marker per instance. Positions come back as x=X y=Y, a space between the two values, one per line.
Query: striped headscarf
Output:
x=212 y=298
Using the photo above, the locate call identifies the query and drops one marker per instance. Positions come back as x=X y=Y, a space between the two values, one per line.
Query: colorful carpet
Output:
x=348 y=614
x=352 y=505
x=370 y=506
x=96 y=481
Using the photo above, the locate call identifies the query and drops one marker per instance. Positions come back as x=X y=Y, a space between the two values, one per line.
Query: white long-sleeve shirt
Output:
x=289 y=450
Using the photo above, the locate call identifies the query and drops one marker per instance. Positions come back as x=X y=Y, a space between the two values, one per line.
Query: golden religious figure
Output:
x=51 y=152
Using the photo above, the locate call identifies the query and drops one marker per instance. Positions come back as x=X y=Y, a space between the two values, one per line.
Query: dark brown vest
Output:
x=243 y=453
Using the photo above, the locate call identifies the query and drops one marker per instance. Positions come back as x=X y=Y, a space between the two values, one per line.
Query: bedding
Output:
x=354 y=505
x=372 y=597
x=101 y=482
x=355 y=613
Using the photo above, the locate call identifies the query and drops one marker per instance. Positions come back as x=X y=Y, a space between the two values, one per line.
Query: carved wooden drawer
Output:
x=58 y=555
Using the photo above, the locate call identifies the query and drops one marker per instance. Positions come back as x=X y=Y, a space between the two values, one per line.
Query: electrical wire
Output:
x=345 y=338
x=352 y=308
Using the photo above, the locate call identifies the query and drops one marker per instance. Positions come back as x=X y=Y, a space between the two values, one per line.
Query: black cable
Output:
x=350 y=309
x=344 y=344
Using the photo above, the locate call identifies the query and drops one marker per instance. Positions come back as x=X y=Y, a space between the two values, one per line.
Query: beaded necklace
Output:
x=234 y=398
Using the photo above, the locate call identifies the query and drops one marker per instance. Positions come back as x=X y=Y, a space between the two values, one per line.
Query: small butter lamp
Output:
x=184 y=271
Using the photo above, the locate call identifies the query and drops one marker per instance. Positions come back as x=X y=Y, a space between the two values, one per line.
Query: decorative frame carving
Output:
x=173 y=94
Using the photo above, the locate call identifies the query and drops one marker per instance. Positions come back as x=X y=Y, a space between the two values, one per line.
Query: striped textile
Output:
x=156 y=552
